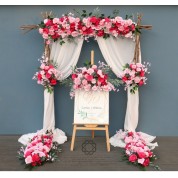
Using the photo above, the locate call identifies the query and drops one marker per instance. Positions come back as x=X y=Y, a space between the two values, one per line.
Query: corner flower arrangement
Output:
x=39 y=150
x=92 y=78
x=134 y=75
x=48 y=75
x=137 y=152
x=86 y=25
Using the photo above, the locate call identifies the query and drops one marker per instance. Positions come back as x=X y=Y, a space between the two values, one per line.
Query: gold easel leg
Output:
x=73 y=138
x=107 y=138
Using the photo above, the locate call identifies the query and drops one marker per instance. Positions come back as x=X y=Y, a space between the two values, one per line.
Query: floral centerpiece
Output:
x=39 y=150
x=86 y=25
x=133 y=75
x=48 y=75
x=137 y=152
x=92 y=78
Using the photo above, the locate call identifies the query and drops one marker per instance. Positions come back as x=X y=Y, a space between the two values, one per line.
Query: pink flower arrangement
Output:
x=137 y=152
x=133 y=75
x=47 y=75
x=39 y=150
x=69 y=27
x=92 y=78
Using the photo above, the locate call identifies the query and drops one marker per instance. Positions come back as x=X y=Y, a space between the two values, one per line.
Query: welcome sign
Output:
x=91 y=107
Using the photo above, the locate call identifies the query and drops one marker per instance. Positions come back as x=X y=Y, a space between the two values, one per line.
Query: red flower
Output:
x=132 y=158
x=130 y=133
x=49 y=23
x=35 y=158
x=101 y=80
x=93 y=19
x=124 y=78
x=142 y=73
x=89 y=77
x=141 y=83
x=133 y=27
x=46 y=30
x=146 y=162
x=53 y=82
x=141 y=155
x=39 y=76
x=74 y=76
x=100 y=33
x=48 y=75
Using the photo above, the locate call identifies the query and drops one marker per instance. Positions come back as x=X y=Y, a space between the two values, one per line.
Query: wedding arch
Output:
x=119 y=42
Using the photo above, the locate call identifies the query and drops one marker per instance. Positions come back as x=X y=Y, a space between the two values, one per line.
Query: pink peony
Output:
x=137 y=79
x=28 y=159
x=74 y=34
x=138 y=69
x=93 y=81
x=94 y=88
x=141 y=161
x=84 y=82
x=56 y=20
x=94 y=67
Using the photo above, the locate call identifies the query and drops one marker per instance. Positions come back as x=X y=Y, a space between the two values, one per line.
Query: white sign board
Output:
x=91 y=107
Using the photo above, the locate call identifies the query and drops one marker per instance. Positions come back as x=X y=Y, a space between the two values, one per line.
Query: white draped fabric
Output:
x=66 y=57
x=117 y=52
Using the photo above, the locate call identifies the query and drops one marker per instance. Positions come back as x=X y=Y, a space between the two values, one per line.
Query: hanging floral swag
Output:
x=48 y=75
x=86 y=25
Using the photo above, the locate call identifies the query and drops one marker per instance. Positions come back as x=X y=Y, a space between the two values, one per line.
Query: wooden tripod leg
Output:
x=92 y=133
x=107 y=138
x=73 y=138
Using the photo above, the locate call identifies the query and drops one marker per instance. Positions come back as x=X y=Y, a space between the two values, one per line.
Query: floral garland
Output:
x=39 y=150
x=88 y=25
x=137 y=152
x=133 y=75
x=47 y=75
x=92 y=78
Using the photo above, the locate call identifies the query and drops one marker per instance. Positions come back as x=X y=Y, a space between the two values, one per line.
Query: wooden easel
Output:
x=91 y=127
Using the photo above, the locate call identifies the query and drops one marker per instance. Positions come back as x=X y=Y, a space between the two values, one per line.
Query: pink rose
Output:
x=93 y=81
x=132 y=158
x=56 y=20
x=89 y=77
x=137 y=79
x=84 y=82
x=77 y=81
x=28 y=159
x=141 y=83
x=133 y=66
x=94 y=67
x=74 y=34
x=141 y=155
x=139 y=65
x=45 y=36
x=90 y=71
x=138 y=69
x=141 y=161
x=128 y=35
x=46 y=67
x=40 y=30
x=146 y=162
x=48 y=75
x=142 y=73
x=94 y=88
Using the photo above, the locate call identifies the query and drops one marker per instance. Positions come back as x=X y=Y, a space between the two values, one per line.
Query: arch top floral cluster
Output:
x=68 y=26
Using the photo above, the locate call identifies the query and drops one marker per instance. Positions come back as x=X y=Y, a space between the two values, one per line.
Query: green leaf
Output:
x=84 y=11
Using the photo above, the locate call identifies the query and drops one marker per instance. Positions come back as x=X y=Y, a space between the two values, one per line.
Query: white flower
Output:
x=141 y=161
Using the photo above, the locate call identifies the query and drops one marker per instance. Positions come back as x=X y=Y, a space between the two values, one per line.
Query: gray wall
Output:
x=21 y=99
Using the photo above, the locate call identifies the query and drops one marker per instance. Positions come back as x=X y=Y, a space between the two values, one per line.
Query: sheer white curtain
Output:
x=66 y=56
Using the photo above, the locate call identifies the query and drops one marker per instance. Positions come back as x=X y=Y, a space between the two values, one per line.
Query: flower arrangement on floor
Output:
x=47 y=75
x=86 y=25
x=133 y=75
x=138 y=152
x=39 y=150
x=92 y=78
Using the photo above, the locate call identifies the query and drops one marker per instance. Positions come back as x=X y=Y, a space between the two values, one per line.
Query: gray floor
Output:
x=101 y=160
